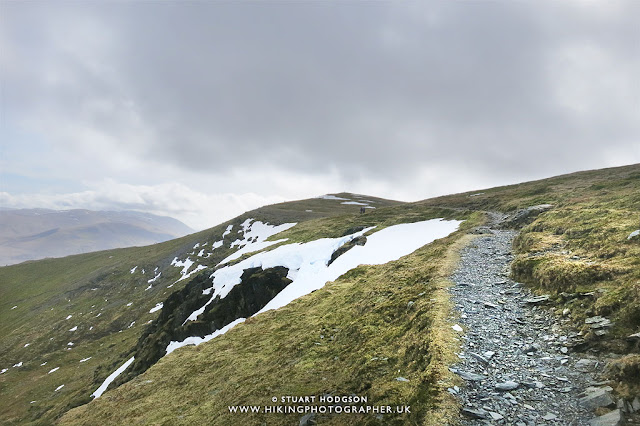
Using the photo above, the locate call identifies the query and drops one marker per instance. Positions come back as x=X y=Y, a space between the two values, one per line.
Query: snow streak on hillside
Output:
x=307 y=263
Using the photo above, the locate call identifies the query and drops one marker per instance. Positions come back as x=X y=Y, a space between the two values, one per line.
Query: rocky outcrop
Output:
x=256 y=289
x=524 y=216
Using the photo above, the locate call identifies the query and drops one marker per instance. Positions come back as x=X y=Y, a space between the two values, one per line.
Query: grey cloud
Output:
x=371 y=89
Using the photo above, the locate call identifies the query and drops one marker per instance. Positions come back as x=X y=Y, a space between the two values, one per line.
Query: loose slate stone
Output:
x=614 y=418
x=549 y=416
x=496 y=416
x=584 y=365
x=596 y=398
x=537 y=300
x=472 y=377
x=507 y=386
x=476 y=414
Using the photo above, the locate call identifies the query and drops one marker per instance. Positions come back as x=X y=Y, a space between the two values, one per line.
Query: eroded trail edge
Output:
x=516 y=360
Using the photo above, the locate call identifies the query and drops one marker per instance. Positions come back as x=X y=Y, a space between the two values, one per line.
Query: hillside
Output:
x=380 y=331
x=30 y=234
x=105 y=298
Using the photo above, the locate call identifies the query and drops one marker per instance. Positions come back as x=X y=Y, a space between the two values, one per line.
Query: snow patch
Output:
x=634 y=234
x=383 y=246
x=69 y=317
x=195 y=340
x=254 y=236
x=227 y=231
x=26 y=345
x=296 y=257
x=4 y=370
x=152 y=280
x=70 y=344
x=156 y=308
x=134 y=269
x=53 y=370
x=58 y=388
x=85 y=359
x=332 y=197
x=74 y=328
x=355 y=203
x=18 y=365
x=14 y=307
x=200 y=253
x=196 y=246
x=103 y=387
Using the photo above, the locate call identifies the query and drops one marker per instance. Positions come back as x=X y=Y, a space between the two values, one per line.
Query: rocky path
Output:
x=516 y=360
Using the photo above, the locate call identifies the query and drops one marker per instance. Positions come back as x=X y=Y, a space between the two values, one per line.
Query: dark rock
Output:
x=256 y=289
x=358 y=241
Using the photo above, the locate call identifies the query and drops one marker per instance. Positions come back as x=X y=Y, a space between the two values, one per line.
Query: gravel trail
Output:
x=516 y=360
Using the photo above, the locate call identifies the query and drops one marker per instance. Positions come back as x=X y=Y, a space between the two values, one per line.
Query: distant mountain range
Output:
x=30 y=234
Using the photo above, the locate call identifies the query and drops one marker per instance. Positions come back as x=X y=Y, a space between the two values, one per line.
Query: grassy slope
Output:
x=594 y=213
x=47 y=291
x=354 y=336
x=581 y=246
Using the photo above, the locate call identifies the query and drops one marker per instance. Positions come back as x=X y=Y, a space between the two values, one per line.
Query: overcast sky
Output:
x=202 y=110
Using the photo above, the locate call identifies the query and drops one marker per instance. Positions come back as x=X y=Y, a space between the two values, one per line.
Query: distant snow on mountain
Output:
x=30 y=234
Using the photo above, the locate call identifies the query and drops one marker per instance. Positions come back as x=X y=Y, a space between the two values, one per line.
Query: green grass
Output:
x=354 y=336
x=47 y=291
x=578 y=246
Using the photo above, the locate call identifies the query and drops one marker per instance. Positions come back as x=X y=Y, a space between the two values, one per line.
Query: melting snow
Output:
x=200 y=253
x=4 y=370
x=355 y=203
x=132 y=324
x=69 y=317
x=156 y=308
x=14 y=307
x=195 y=340
x=103 y=387
x=58 y=388
x=70 y=344
x=196 y=246
x=44 y=363
x=26 y=344
x=332 y=197
x=152 y=280
x=255 y=235
x=55 y=369
x=217 y=244
x=130 y=303
x=307 y=263
x=74 y=328
x=227 y=231
x=85 y=359
x=18 y=364
x=133 y=269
